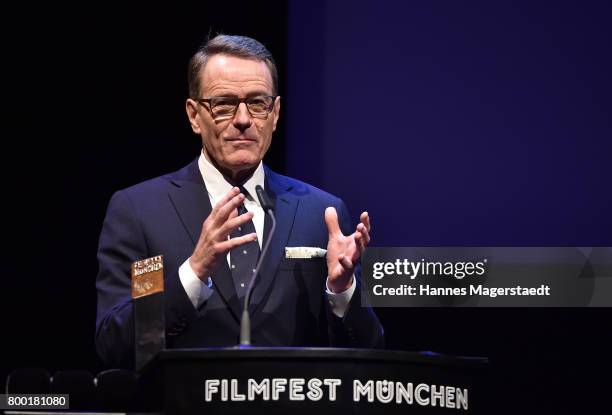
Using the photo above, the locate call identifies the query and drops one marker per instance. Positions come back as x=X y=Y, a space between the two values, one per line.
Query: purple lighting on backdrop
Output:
x=455 y=124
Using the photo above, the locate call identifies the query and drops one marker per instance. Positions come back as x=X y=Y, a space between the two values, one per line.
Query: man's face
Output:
x=236 y=145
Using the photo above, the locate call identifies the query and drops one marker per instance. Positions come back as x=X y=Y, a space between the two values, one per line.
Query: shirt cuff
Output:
x=197 y=290
x=339 y=302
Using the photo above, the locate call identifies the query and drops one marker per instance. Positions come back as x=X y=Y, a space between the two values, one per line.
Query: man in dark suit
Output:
x=206 y=221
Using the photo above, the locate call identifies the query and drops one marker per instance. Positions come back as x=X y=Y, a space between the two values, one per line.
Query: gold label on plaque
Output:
x=148 y=276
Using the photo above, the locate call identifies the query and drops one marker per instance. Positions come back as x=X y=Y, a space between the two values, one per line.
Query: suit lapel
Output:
x=285 y=207
x=190 y=199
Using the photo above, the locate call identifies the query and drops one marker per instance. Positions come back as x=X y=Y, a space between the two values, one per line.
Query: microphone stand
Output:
x=245 y=322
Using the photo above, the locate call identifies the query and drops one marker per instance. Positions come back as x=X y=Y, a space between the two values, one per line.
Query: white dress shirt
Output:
x=199 y=291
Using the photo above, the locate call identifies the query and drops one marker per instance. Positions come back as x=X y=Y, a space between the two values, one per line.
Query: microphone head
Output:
x=264 y=200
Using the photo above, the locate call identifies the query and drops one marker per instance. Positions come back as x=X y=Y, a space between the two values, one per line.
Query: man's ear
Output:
x=276 y=112
x=191 y=107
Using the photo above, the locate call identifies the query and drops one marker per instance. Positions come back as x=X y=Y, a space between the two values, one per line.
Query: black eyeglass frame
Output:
x=237 y=101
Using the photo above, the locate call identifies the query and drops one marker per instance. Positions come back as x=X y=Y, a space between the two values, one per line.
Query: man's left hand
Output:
x=344 y=251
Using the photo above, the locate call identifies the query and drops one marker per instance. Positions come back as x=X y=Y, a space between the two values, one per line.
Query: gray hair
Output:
x=237 y=46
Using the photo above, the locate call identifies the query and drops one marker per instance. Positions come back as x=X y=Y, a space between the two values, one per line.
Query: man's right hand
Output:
x=214 y=242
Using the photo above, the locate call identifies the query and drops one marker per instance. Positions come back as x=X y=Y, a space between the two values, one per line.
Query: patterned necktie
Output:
x=243 y=259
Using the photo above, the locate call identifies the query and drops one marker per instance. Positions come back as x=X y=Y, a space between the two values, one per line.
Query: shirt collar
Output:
x=218 y=186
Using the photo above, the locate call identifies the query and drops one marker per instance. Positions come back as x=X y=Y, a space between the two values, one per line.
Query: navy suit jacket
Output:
x=164 y=216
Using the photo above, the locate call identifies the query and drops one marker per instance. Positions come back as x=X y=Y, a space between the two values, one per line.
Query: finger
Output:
x=345 y=262
x=365 y=219
x=360 y=247
x=331 y=220
x=220 y=233
x=361 y=228
x=225 y=210
x=360 y=242
x=232 y=243
x=236 y=221
x=223 y=201
x=233 y=214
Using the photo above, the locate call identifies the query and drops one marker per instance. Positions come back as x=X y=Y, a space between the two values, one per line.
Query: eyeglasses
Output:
x=225 y=107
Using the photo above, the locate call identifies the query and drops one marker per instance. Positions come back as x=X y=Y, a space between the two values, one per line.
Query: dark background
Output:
x=485 y=123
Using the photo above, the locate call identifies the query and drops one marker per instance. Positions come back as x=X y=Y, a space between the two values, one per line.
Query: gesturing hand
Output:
x=213 y=244
x=343 y=251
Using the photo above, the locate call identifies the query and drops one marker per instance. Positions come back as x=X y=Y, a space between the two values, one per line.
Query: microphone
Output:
x=264 y=200
x=245 y=322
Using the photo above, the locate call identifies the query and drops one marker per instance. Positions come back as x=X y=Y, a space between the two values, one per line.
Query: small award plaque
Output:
x=148 y=276
x=148 y=301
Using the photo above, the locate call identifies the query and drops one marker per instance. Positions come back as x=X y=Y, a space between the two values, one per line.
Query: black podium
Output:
x=316 y=381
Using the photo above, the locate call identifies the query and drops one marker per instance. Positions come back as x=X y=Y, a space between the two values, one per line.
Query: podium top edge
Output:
x=323 y=353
